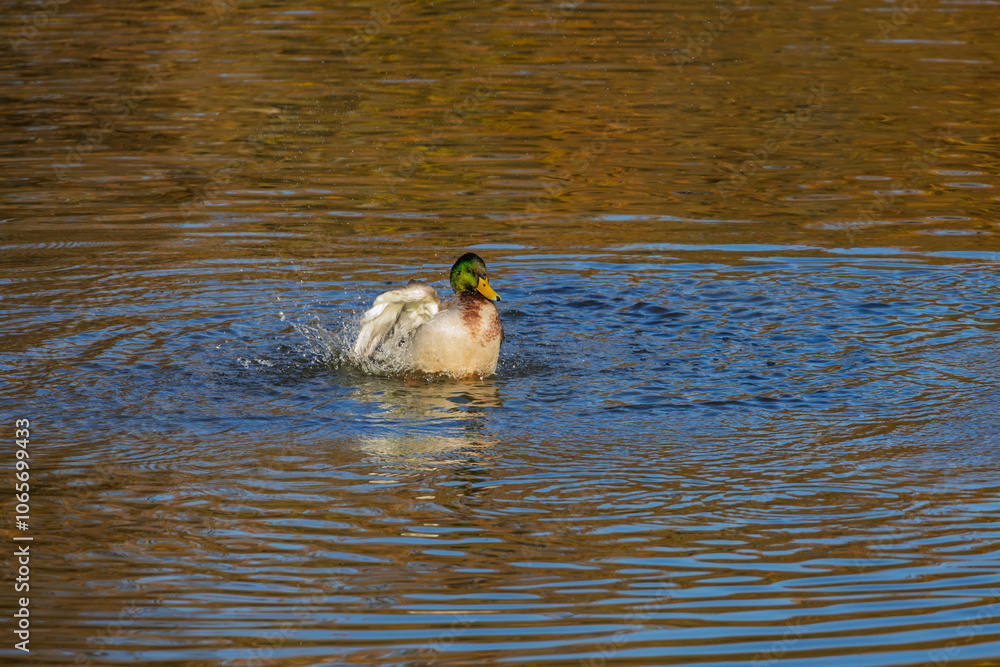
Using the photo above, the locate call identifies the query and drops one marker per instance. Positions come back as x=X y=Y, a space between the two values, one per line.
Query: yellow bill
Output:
x=487 y=291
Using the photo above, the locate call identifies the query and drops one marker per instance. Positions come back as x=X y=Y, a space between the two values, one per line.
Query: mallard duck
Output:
x=460 y=337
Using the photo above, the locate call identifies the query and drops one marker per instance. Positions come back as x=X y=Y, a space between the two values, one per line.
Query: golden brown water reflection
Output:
x=746 y=412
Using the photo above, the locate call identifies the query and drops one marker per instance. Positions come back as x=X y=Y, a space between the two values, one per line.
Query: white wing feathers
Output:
x=394 y=316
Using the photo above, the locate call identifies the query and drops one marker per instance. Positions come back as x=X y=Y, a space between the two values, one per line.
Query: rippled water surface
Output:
x=747 y=410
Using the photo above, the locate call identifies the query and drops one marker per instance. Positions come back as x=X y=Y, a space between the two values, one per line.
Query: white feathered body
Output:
x=461 y=338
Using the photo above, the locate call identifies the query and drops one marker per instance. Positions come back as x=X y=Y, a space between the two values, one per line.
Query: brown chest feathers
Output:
x=480 y=317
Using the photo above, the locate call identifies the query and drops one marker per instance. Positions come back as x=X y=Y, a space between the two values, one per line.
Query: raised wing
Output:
x=394 y=315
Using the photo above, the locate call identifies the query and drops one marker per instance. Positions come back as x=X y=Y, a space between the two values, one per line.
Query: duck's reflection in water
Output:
x=418 y=398
x=415 y=448
x=426 y=419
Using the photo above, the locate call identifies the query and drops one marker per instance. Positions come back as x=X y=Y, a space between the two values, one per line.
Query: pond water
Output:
x=747 y=411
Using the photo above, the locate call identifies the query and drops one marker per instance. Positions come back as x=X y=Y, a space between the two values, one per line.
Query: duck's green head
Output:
x=468 y=274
